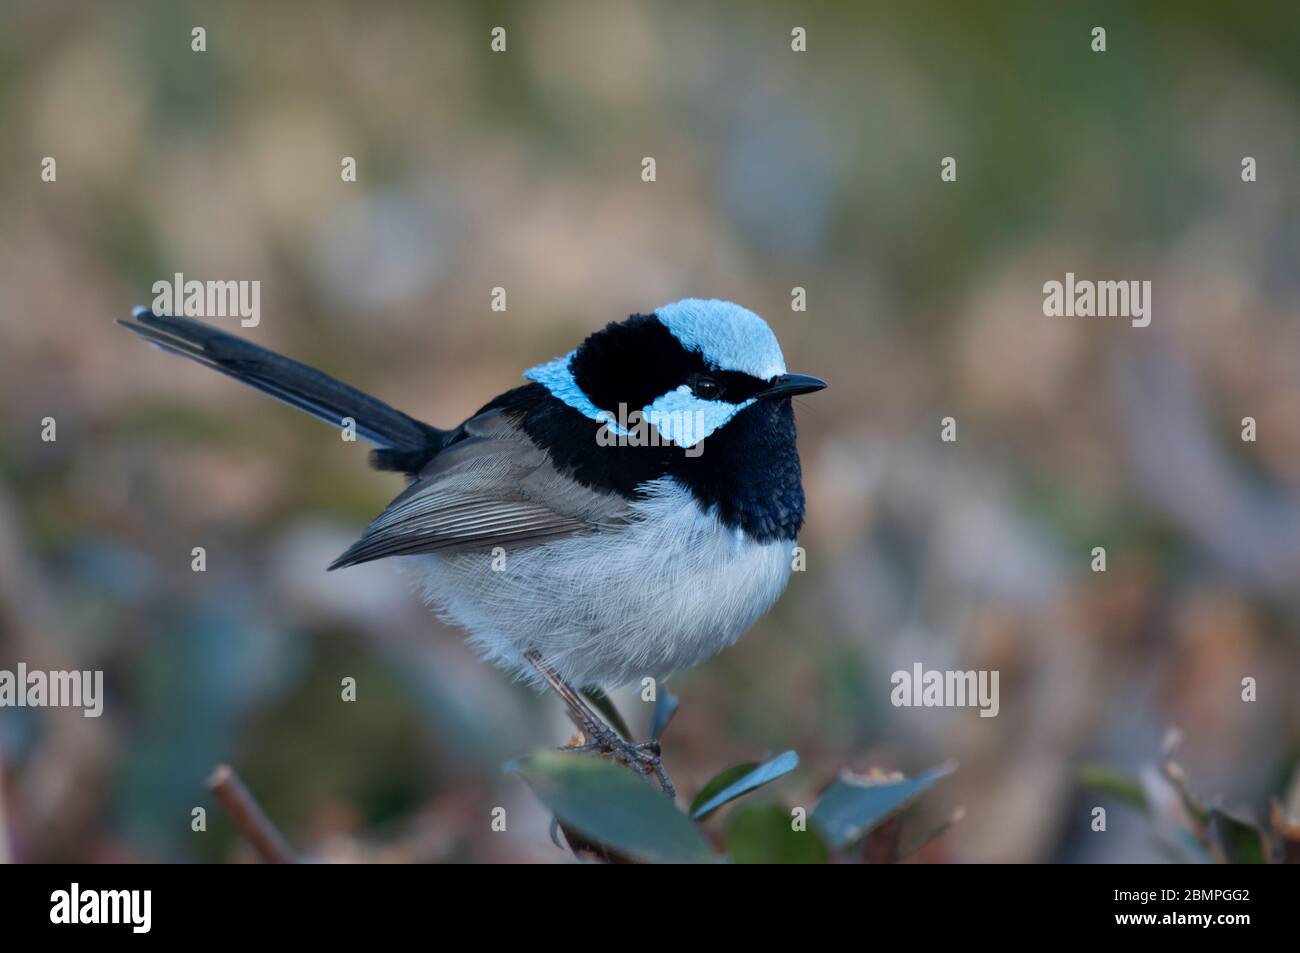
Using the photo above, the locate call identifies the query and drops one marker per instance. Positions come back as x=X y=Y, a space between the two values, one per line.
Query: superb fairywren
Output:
x=574 y=547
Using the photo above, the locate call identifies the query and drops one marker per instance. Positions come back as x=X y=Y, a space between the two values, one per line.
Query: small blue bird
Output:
x=629 y=512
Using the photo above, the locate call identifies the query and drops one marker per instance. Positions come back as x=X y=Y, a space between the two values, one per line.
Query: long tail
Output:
x=403 y=443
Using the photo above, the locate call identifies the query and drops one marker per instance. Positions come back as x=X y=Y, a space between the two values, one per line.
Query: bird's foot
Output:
x=643 y=758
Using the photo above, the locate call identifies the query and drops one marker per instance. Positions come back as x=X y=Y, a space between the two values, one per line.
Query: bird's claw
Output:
x=644 y=758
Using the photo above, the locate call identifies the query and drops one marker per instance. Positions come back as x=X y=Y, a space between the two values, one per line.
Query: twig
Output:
x=1288 y=831
x=933 y=835
x=882 y=844
x=5 y=856
x=248 y=816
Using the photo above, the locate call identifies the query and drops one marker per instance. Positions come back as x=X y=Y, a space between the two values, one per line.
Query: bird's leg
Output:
x=644 y=758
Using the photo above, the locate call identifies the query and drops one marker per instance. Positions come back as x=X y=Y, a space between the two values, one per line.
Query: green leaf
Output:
x=1115 y=783
x=738 y=781
x=720 y=781
x=605 y=706
x=853 y=805
x=613 y=807
x=1199 y=813
x=1242 y=842
x=665 y=707
x=763 y=834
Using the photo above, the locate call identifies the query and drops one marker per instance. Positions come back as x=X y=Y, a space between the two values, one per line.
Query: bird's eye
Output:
x=706 y=388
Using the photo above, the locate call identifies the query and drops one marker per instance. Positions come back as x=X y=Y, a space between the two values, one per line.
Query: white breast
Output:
x=650 y=598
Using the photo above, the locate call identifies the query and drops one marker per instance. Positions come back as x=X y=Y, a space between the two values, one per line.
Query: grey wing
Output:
x=494 y=487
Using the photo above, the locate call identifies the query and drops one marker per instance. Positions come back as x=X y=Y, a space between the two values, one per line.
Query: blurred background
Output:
x=775 y=169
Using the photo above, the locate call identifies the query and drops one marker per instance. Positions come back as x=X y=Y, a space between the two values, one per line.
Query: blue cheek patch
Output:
x=679 y=416
x=685 y=419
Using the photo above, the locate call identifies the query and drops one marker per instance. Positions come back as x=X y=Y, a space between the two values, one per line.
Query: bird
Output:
x=627 y=513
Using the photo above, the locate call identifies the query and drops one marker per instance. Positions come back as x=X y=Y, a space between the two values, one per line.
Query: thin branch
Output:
x=5 y=856
x=933 y=835
x=249 y=817
x=882 y=844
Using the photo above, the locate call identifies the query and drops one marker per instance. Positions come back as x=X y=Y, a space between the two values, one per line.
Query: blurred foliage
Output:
x=776 y=170
x=609 y=814
x=1191 y=829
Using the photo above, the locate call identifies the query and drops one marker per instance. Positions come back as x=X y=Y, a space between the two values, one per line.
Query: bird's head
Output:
x=688 y=369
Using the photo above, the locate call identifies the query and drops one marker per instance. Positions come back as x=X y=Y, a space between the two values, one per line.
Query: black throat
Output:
x=747 y=472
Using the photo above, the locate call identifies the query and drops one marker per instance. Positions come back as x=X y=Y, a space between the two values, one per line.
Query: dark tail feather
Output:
x=403 y=443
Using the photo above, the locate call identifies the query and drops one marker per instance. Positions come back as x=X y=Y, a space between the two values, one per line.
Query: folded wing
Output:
x=490 y=487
